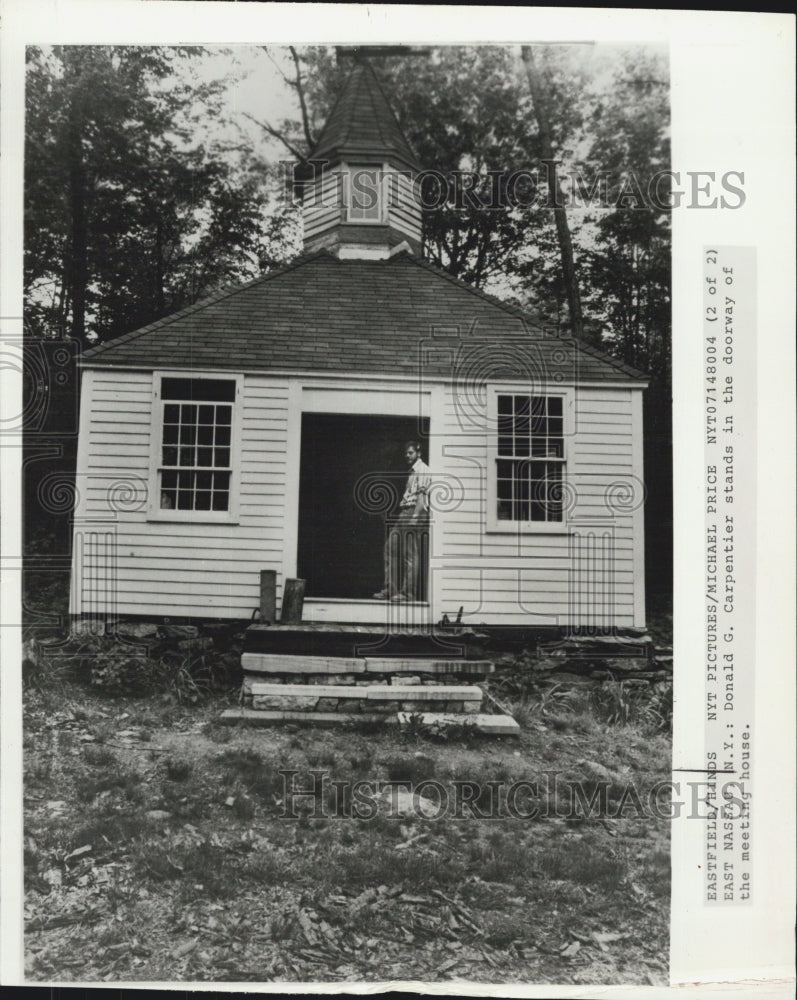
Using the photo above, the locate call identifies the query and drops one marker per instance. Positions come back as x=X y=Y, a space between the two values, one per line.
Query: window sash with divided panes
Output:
x=530 y=459
x=365 y=187
x=197 y=430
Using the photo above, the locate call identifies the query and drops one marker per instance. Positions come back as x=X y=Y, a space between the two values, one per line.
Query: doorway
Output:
x=352 y=476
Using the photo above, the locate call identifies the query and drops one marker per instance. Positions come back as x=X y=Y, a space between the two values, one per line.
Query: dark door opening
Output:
x=352 y=476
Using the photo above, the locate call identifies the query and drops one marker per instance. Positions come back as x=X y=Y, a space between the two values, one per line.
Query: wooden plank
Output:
x=161 y=562
x=314 y=638
x=490 y=725
x=108 y=385
x=292 y=601
x=177 y=534
x=180 y=583
x=268 y=595
x=363 y=631
x=396 y=665
x=116 y=413
x=527 y=595
x=204 y=605
x=426 y=692
x=373 y=692
x=255 y=717
x=279 y=663
x=507 y=554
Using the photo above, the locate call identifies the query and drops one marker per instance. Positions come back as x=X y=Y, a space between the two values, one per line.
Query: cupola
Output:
x=359 y=198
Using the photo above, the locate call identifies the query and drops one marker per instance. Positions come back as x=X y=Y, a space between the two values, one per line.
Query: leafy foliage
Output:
x=113 y=667
x=133 y=206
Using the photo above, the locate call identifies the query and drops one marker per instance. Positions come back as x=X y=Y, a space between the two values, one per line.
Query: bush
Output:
x=117 y=666
x=177 y=768
x=648 y=706
x=118 y=673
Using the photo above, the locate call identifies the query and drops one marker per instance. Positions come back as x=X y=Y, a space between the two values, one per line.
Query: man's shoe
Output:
x=398 y=598
x=381 y=595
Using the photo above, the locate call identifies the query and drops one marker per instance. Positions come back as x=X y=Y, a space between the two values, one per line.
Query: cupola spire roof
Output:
x=362 y=124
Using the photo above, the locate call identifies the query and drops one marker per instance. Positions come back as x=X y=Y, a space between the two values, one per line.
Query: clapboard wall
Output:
x=592 y=573
x=126 y=563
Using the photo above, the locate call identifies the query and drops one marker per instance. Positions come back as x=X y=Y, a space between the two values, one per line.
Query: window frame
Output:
x=154 y=510
x=381 y=169
x=494 y=525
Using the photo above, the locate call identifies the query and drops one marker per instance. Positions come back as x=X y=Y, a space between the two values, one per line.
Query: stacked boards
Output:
x=333 y=674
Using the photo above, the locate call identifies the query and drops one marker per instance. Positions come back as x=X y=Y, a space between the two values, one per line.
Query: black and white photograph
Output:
x=347 y=535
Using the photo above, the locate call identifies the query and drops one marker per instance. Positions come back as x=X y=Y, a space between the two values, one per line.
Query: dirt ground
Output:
x=163 y=846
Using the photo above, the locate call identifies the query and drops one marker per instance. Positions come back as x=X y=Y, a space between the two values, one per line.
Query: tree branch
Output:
x=277 y=135
x=302 y=102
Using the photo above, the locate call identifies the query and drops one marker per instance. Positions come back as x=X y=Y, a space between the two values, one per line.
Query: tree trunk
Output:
x=78 y=237
x=539 y=96
x=63 y=304
x=160 y=298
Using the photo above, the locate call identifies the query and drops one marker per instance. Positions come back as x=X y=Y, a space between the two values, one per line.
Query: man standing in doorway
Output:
x=403 y=549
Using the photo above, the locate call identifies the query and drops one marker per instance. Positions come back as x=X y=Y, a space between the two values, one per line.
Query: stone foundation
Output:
x=579 y=660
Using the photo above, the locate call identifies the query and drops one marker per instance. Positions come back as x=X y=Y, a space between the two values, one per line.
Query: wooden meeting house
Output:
x=264 y=429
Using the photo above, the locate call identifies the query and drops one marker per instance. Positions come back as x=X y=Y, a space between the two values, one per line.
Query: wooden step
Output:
x=374 y=692
x=254 y=717
x=490 y=725
x=399 y=665
x=361 y=641
x=286 y=663
x=360 y=698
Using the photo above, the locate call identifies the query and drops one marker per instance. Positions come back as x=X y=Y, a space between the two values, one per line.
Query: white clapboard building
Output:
x=263 y=429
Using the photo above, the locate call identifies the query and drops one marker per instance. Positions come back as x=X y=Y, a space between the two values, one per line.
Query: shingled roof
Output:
x=323 y=314
x=362 y=123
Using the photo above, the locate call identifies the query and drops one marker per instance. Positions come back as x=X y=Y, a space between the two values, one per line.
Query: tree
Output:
x=542 y=111
x=628 y=266
x=627 y=262
x=132 y=208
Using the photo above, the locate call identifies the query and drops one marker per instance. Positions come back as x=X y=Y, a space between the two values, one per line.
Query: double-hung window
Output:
x=528 y=465
x=193 y=474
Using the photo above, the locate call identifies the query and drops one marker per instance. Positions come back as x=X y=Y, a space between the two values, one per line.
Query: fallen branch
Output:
x=460 y=910
x=65 y=920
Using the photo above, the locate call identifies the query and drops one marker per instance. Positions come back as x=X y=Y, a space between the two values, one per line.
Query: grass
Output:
x=197 y=826
x=413 y=770
x=523 y=711
x=248 y=770
x=195 y=873
x=125 y=783
x=586 y=708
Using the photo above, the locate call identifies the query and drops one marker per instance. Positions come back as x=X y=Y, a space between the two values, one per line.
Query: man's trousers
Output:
x=403 y=554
